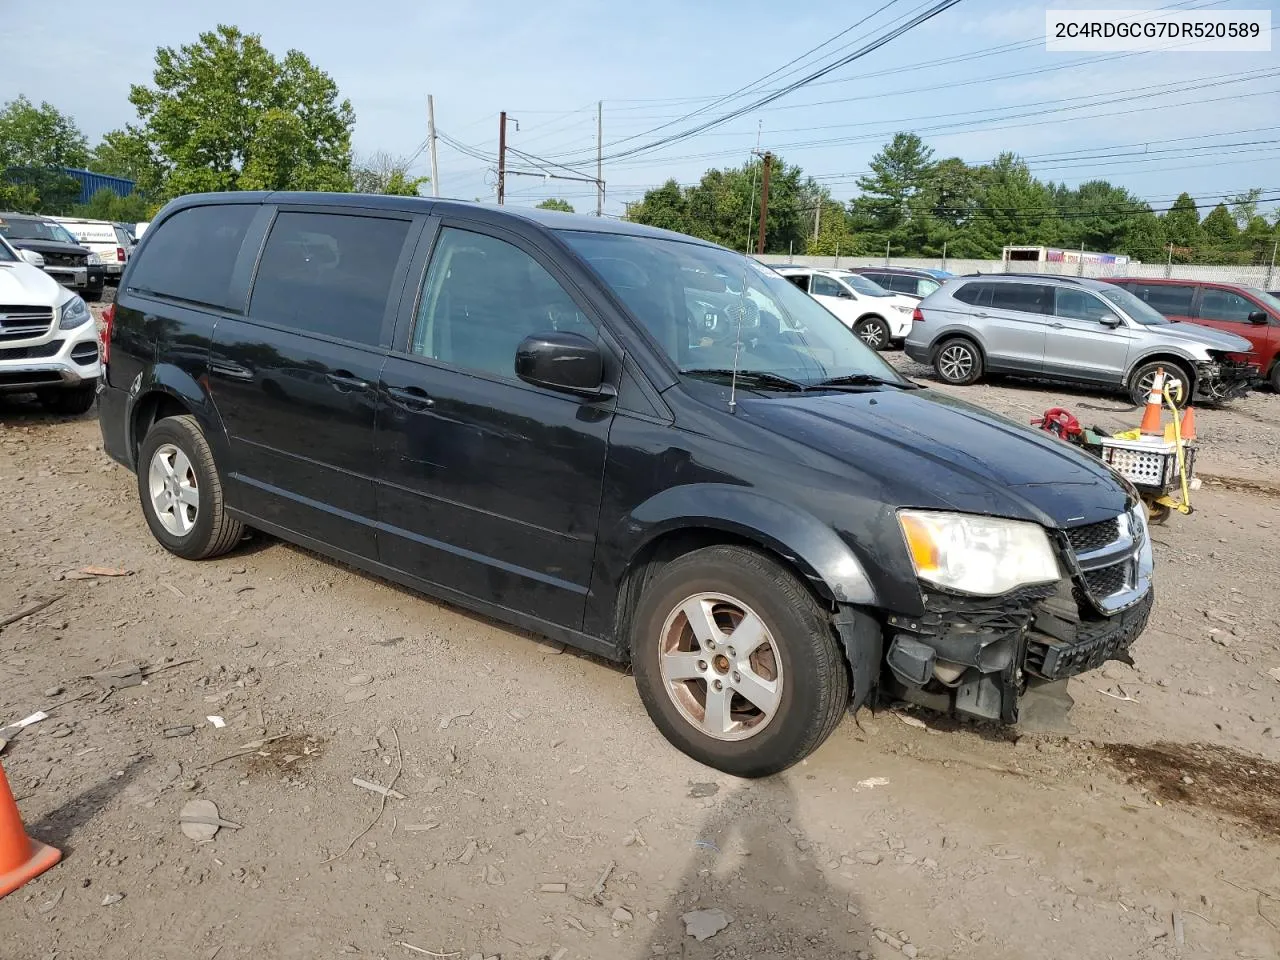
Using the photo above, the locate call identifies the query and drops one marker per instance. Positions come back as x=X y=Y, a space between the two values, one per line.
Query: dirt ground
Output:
x=542 y=816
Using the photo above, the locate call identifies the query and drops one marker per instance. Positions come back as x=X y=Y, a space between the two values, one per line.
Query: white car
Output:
x=878 y=317
x=107 y=240
x=48 y=340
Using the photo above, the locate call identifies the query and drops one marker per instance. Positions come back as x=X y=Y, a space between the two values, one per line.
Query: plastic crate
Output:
x=1149 y=462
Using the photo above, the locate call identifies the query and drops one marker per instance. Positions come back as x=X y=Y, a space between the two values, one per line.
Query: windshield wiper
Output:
x=866 y=380
x=751 y=378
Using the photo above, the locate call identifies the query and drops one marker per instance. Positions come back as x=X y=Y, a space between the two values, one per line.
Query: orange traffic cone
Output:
x=1188 y=428
x=21 y=858
x=1151 y=416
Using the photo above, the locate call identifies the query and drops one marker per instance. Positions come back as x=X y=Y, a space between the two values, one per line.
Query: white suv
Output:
x=48 y=340
x=879 y=318
x=107 y=240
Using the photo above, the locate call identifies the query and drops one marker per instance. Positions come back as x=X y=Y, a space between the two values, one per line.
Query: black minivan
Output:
x=630 y=440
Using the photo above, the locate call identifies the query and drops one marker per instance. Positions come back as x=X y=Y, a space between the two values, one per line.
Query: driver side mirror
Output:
x=567 y=362
x=1258 y=316
x=1110 y=320
x=33 y=258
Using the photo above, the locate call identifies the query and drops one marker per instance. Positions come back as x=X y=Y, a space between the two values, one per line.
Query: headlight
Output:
x=986 y=556
x=74 y=313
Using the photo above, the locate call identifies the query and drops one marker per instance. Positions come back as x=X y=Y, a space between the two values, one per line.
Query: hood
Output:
x=49 y=246
x=933 y=451
x=21 y=283
x=1193 y=333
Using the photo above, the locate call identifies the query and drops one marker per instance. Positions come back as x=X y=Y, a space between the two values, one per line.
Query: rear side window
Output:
x=824 y=286
x=1225 y=305
x=1171 y=299
x=193 y=253
x=329 y=274
x=801 y=280
x=1023 y=297
x=977 y=294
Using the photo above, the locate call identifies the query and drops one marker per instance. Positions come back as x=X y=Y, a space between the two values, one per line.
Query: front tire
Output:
x=736 y=662
x=958 y=361
x=181 y=491
x=873 y=331
x=1175 y=375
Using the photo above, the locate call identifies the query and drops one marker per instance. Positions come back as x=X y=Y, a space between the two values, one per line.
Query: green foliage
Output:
x=1220 y=228
x=34 y=142
x=555 y=203
x=108 y=205
x=835 y=235
x=385 y=174
x=725 y=204
x=225 y=114
x=1182 y=223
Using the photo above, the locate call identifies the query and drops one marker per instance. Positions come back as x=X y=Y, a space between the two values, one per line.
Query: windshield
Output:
x=865 y=285
x=1139 y=311
x=708 y=308
x=62 y=234
x=29 y=230
x=1270 y=302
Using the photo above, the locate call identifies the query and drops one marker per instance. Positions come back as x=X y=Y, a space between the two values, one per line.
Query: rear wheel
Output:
x=736 y=662
x=873 y=331
x=181 y=491
x=1176 y=380
x=1275 y=376
x=72 y=401
x=958 y=361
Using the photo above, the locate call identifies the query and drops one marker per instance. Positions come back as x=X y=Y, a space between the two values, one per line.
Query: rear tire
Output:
x=874 y=332
x=1275 y=376
x=794 y=665
x=1140 y=382
x=958 y=361
x=71 y=401
x=181 y=491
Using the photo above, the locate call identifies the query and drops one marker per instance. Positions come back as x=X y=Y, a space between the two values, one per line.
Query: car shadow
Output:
x=24 y=408
x=59 y=826
x=754 y=862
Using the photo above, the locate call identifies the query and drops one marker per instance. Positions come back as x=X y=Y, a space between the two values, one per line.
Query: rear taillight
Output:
x=918 y=316
x=120 y=254
x=104 y=336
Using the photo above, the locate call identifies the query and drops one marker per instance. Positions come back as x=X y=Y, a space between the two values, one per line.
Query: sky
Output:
x=973 y=82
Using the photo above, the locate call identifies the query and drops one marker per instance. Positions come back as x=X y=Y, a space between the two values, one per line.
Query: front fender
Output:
x=1161 y=353
x=813 y=546
x=168 y=380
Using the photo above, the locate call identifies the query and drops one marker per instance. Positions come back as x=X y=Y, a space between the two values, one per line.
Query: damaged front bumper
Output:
x=978 y=655
x=1225 y=379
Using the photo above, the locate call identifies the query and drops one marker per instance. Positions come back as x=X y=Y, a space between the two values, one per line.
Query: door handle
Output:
x=979 y=313
x=346 y=380
x=1057 y=326
x=411 y=398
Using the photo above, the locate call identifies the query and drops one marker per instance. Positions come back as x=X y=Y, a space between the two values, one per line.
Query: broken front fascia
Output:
x=976 y=655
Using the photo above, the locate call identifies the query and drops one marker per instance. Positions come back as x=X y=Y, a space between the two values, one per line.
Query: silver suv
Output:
x=1072 y=329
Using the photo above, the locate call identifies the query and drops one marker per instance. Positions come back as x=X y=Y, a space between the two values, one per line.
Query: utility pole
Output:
x=886 y=252
x=502 y=156
x=764 y=201
x=599 y=158
x=817 y=218
x=944 y=254
x=431 y=136
x=1168 y=270
x=1271 y=274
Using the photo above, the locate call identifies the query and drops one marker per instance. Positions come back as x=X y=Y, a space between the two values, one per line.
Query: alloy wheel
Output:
x=872 y=335
x=721 y=666
x=175 y=493
x=1173 y=383
x=956 y=362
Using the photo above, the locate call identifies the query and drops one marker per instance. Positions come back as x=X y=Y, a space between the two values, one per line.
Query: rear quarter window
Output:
x=976 y=294
x=192 y=254
x=1023 y=297
x=1171 y=299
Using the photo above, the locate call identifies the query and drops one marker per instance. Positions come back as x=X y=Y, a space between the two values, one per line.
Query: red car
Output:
x=1245 y=311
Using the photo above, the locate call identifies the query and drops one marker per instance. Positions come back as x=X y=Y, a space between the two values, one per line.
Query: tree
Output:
x=1219 y=228
x=108 y=205
x=564 y=206
x=1095 y=215
x=34 y=143
x=663 y=207
x=1245 y=206
x=225 y=114
x=835 y=236
x=1182 y=224
x=127 y=153
x=382 y=173
x=898 y=173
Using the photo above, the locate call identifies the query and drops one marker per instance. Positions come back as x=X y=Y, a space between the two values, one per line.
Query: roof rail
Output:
x=1029 y=276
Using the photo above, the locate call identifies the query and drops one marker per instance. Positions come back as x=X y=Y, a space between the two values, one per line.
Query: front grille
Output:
x=33 y=353
x=66 y=260
x=1094 y=536
x=19 y=322
x=1106 y=581
x=1094 y=643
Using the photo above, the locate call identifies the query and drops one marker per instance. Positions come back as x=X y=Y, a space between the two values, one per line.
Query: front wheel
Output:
x=958 y=361
x=181 y=491
x=736 y=662
x=1176 y=381
x=872 y=331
